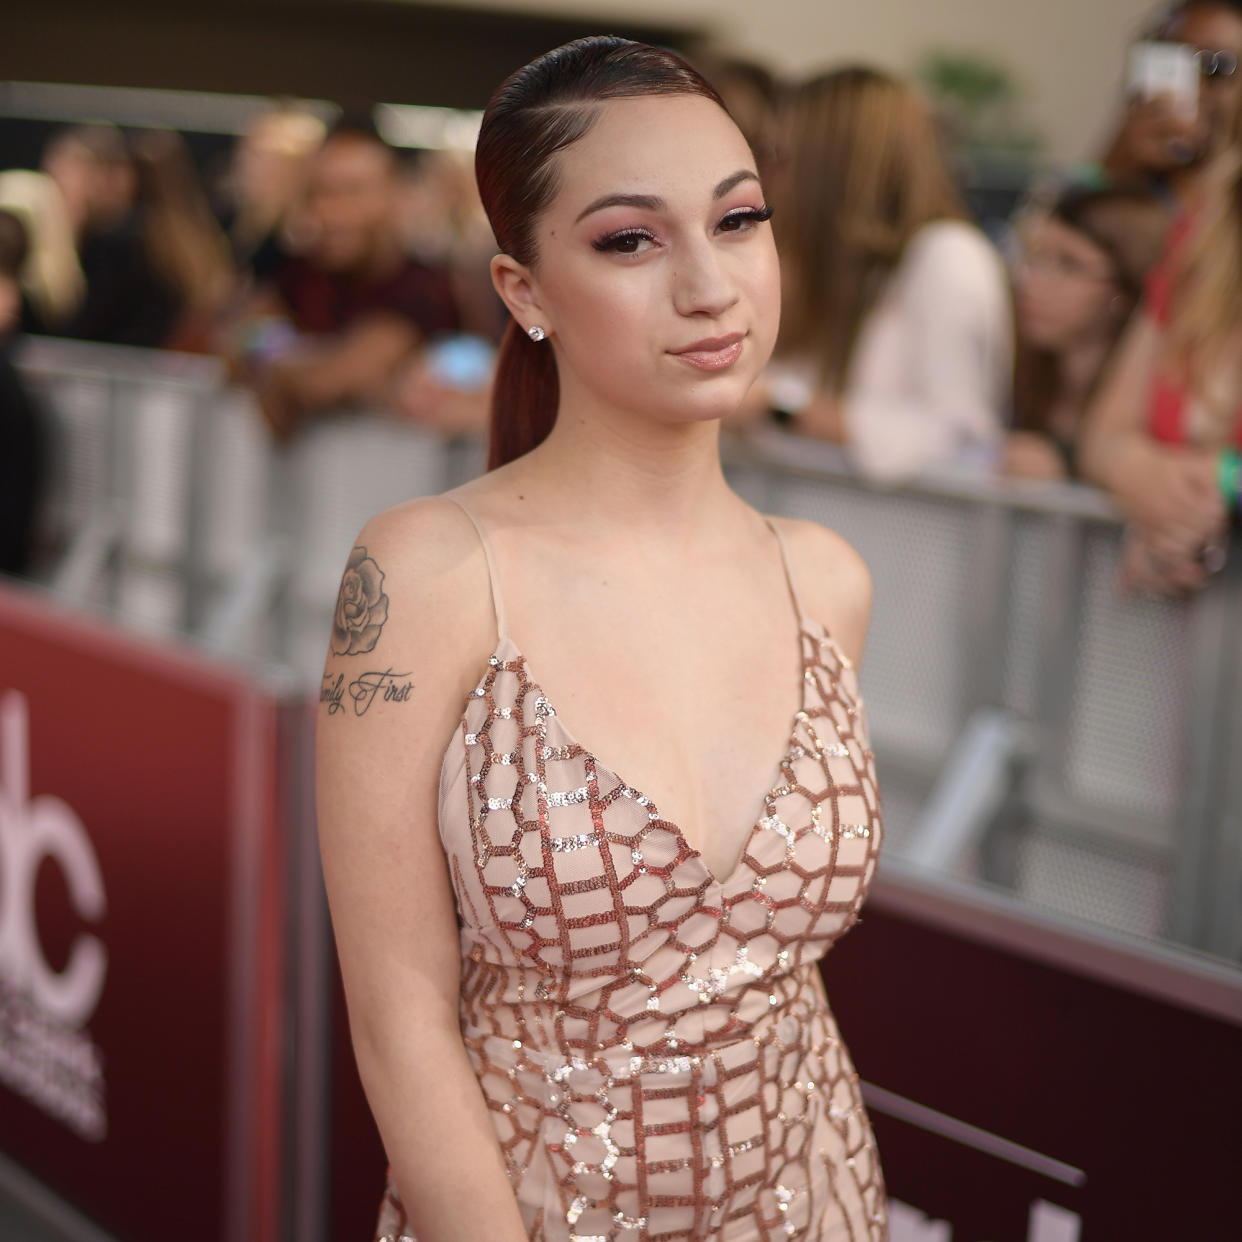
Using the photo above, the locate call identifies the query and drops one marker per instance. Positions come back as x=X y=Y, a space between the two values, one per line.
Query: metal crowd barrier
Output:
x=1033 y=729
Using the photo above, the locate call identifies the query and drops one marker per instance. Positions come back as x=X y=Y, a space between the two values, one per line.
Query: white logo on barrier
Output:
x=45 y=1054
x=1047 y=1223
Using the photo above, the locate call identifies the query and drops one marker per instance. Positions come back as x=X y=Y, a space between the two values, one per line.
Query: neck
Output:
x=1078 y=368
x=617 y=471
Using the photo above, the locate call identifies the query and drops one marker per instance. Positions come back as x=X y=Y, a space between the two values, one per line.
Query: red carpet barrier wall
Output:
x=140 y=915
x=1031 y=1083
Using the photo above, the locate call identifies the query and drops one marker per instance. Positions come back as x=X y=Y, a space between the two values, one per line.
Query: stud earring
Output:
x=536 y=333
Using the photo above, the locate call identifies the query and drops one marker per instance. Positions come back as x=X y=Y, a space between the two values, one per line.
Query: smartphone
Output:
x=1170 y=69
x=461 y=362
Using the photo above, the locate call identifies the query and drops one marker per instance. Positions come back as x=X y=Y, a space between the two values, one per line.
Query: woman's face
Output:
x=656 y=275
x=1066 y=287
x=1210 y=27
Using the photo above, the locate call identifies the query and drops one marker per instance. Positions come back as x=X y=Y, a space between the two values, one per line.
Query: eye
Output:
x=744 y=219
x=627 y=241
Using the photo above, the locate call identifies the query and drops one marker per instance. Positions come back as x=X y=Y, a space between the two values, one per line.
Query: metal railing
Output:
x=1033 y=728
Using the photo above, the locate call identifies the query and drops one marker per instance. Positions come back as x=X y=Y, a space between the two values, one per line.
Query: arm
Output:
x=393 y=909
x=1167 y=491
x=354 y=368
x=953 y=348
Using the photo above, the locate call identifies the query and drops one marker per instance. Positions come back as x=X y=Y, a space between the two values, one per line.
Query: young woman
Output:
x=595 y=790
x=1157 y=142
x=896 y=337
x=1164 y=434
x=1079 y=277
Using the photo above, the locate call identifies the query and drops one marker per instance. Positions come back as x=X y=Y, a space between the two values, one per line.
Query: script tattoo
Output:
x=364 y=690
x=361 y=606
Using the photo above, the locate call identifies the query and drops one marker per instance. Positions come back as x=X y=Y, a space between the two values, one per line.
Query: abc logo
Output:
x=29 y=833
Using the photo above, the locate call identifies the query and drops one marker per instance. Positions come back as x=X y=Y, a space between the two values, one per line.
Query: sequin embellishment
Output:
x=653 y=1040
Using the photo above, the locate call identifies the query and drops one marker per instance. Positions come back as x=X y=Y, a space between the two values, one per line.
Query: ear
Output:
x=518 y=290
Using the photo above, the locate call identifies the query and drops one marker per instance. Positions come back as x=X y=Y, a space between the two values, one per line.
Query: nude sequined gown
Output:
x=654 y=1041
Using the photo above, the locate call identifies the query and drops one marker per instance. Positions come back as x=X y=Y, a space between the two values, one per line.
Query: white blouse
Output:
x=929 y=383
x=932 y=371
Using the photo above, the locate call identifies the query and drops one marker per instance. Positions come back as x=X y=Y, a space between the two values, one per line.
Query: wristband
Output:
x=1228 y=472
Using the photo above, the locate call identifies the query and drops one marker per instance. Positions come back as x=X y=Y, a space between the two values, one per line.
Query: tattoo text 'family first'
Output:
x=364 y=690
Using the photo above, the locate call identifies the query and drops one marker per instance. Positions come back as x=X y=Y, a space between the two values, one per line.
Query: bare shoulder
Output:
x=833 y=581
x=413 y=596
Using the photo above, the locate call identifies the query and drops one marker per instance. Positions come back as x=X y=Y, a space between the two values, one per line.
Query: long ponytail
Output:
x=538 y=111
x=525 y=394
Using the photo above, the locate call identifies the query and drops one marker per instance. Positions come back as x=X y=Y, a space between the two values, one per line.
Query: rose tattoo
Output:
x=361 y=607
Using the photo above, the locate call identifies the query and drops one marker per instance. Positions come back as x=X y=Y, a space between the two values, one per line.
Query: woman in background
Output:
x=1164 y=433
x=896 y=334
x=1078 y=279
x=260 y=199
x=187 y=251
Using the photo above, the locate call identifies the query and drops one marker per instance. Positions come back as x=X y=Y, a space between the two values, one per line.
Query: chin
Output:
x=335 y=260
x=1040 y=336
x=705 y=406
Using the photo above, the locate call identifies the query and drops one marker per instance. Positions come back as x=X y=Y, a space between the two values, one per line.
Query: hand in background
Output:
x=1029 y=455
x=1149 y=568
x=418 y=396
x=1155 y=137
x=1171 y=494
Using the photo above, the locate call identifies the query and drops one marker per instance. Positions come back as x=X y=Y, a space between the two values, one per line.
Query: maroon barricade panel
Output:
x=140 y=916
x=356 y=1154
x=1016 y=1099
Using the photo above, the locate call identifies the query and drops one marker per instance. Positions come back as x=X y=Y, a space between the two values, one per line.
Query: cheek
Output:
x=602 y=315
x=1057 y=314
x=756 y=275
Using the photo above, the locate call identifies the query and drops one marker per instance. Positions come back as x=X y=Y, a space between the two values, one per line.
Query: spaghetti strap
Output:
x=793 y=591
x=498 y=603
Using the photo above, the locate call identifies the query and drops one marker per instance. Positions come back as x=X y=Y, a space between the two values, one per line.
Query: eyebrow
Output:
x=650 y=202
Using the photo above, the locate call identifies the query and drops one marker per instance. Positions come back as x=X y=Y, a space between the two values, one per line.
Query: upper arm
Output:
x=410 y=623
x=356 y=365
x=833 y=582
x=1120 y=405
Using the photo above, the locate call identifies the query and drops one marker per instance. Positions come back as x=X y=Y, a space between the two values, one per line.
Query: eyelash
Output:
x=612 y=242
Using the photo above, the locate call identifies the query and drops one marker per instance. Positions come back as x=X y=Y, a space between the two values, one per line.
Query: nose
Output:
x=702 y=281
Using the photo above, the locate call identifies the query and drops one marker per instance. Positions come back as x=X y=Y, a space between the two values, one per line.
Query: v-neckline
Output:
x=675 y=828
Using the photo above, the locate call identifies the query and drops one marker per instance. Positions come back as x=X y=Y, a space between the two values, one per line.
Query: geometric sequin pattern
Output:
x=654 y=1041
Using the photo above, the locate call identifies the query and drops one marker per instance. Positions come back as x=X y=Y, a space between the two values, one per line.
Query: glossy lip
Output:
x=713 y=353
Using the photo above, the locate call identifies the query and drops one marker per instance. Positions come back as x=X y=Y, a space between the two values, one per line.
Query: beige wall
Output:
x=1067 y=54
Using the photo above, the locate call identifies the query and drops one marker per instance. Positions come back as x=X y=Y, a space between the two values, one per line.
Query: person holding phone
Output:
x=1164 y=433
x=1178 y=116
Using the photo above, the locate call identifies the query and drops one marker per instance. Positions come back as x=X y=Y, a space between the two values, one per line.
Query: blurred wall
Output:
x=1068 y=55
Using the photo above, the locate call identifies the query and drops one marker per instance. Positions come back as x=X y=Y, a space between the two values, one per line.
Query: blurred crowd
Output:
x=1098 y=339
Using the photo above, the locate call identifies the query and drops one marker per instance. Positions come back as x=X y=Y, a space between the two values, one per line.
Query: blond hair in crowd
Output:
x=51 y=277
x=1206 y=314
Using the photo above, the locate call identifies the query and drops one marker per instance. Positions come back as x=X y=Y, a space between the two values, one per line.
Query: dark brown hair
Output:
x=537 y=112
x=1127 y=224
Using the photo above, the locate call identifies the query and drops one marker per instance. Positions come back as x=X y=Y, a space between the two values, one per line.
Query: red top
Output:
x=328 y=303
x=1166 y=417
